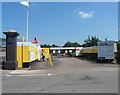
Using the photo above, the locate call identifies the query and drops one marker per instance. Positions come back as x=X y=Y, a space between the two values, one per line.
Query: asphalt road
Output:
x=70 y=76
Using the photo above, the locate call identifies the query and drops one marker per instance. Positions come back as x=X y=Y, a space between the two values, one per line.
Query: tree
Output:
x=53 y=45
x=70 y=44
x=45 y=46
x=75 y=44
x=118 y=46
x=118 y=52
x=91 y=41
x=106 y=39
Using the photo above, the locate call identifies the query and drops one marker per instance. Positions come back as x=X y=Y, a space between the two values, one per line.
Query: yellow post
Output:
x=50 y=61
x=19 y=56
x=22 y=38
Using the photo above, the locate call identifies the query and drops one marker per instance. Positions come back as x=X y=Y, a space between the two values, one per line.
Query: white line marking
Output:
x=6 y=75
x=25 y=75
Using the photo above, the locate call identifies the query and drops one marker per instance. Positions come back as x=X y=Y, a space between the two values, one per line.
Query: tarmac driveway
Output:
x=72 y=75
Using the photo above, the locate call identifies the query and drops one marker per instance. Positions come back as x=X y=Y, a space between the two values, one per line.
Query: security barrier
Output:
x=27 y=52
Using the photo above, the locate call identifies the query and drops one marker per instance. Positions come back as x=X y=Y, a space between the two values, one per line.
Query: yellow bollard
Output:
x=50 y=61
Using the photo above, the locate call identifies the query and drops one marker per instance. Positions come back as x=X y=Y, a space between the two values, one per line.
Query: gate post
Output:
x=11 y=50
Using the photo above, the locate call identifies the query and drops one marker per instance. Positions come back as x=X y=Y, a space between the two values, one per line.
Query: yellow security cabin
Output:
x=47 y=50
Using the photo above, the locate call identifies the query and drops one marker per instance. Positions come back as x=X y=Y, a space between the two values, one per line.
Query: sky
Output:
x=59 y=22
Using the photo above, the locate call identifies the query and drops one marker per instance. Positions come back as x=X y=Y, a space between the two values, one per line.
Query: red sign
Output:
x=77 y=49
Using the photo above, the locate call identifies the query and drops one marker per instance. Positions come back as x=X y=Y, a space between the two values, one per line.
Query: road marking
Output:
x=25 y=75
x=6 y=75
x=49 y=74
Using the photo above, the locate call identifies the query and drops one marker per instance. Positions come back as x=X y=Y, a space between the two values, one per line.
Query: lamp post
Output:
x=25 y=3
x=27 y=24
